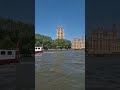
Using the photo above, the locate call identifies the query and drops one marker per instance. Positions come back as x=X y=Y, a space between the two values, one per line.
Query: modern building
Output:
x=103 y=41
x=60 y=33
x=78 y=43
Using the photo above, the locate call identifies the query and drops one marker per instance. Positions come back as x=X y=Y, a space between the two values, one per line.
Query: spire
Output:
x=114 y=29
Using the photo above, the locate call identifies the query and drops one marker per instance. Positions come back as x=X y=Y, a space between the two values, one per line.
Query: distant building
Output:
x=60 y=33
x=78 y=43
x=103 y=41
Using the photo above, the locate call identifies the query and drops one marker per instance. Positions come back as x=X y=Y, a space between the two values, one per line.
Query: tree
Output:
x=63 y=43
x=12 y=32
x=44 y=41
x=48 y=43
x=7 y=43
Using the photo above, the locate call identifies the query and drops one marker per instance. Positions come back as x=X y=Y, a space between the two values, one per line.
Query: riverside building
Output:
x=103 y=41
x=78 y=43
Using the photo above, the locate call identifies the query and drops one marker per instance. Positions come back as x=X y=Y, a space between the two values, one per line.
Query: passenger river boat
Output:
x=38 y=50
x=9 y=56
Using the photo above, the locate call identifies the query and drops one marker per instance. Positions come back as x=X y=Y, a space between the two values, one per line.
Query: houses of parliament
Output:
x=77 y=43
x=103 y=41
x=100 y=40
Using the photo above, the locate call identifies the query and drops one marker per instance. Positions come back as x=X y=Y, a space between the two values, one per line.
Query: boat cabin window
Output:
x=35 y=48
x=9 y=53
x=2 y=52
x=38 y=48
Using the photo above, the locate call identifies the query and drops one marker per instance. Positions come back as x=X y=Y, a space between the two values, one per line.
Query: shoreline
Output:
x=63 y=49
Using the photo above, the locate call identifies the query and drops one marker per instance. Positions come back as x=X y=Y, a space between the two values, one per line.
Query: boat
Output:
x=38 y=50
x=8 y=56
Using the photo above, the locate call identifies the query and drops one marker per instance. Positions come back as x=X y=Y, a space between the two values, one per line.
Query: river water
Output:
x=102 y=73
x=60 y=70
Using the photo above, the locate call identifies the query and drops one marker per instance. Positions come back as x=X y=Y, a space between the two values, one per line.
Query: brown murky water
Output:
x=60 y=70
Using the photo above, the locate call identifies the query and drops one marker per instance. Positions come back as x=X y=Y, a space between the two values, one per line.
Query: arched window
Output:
x=2 y=52
x=9 y=53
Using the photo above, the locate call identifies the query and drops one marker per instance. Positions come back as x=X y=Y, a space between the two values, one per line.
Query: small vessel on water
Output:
x=8 y=56
x=38 y=50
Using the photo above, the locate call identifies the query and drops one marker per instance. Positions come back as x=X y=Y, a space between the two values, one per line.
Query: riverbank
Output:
x=62 y=49
x=103 y=55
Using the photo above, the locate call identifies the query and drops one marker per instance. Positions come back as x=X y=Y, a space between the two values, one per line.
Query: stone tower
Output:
x=60 y=33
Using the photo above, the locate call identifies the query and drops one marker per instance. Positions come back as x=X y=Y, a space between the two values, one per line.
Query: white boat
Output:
x=9 y=56
x=38 y=50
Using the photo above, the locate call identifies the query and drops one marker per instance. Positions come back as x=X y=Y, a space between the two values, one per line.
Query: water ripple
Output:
x=60 y=68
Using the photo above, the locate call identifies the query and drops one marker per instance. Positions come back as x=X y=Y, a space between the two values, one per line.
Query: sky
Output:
x=50 y=14
x=71 y=14
x=102 y=12
x=18 y=10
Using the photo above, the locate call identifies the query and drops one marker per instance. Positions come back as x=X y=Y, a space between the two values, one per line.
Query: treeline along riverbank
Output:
x=48 y=44
x=15 y=34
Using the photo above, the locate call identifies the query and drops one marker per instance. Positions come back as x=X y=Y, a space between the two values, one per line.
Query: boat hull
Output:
x=38 y=52
x=8 y=61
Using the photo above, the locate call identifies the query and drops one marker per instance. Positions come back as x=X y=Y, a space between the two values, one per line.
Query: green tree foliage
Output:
x=63 y=43
x=44 y=41
x=48 y=43
x=12 y=32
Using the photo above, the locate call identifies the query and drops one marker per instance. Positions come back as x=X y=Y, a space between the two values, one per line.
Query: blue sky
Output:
x=102 y=13
x=70 y=14
x=18 y=10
